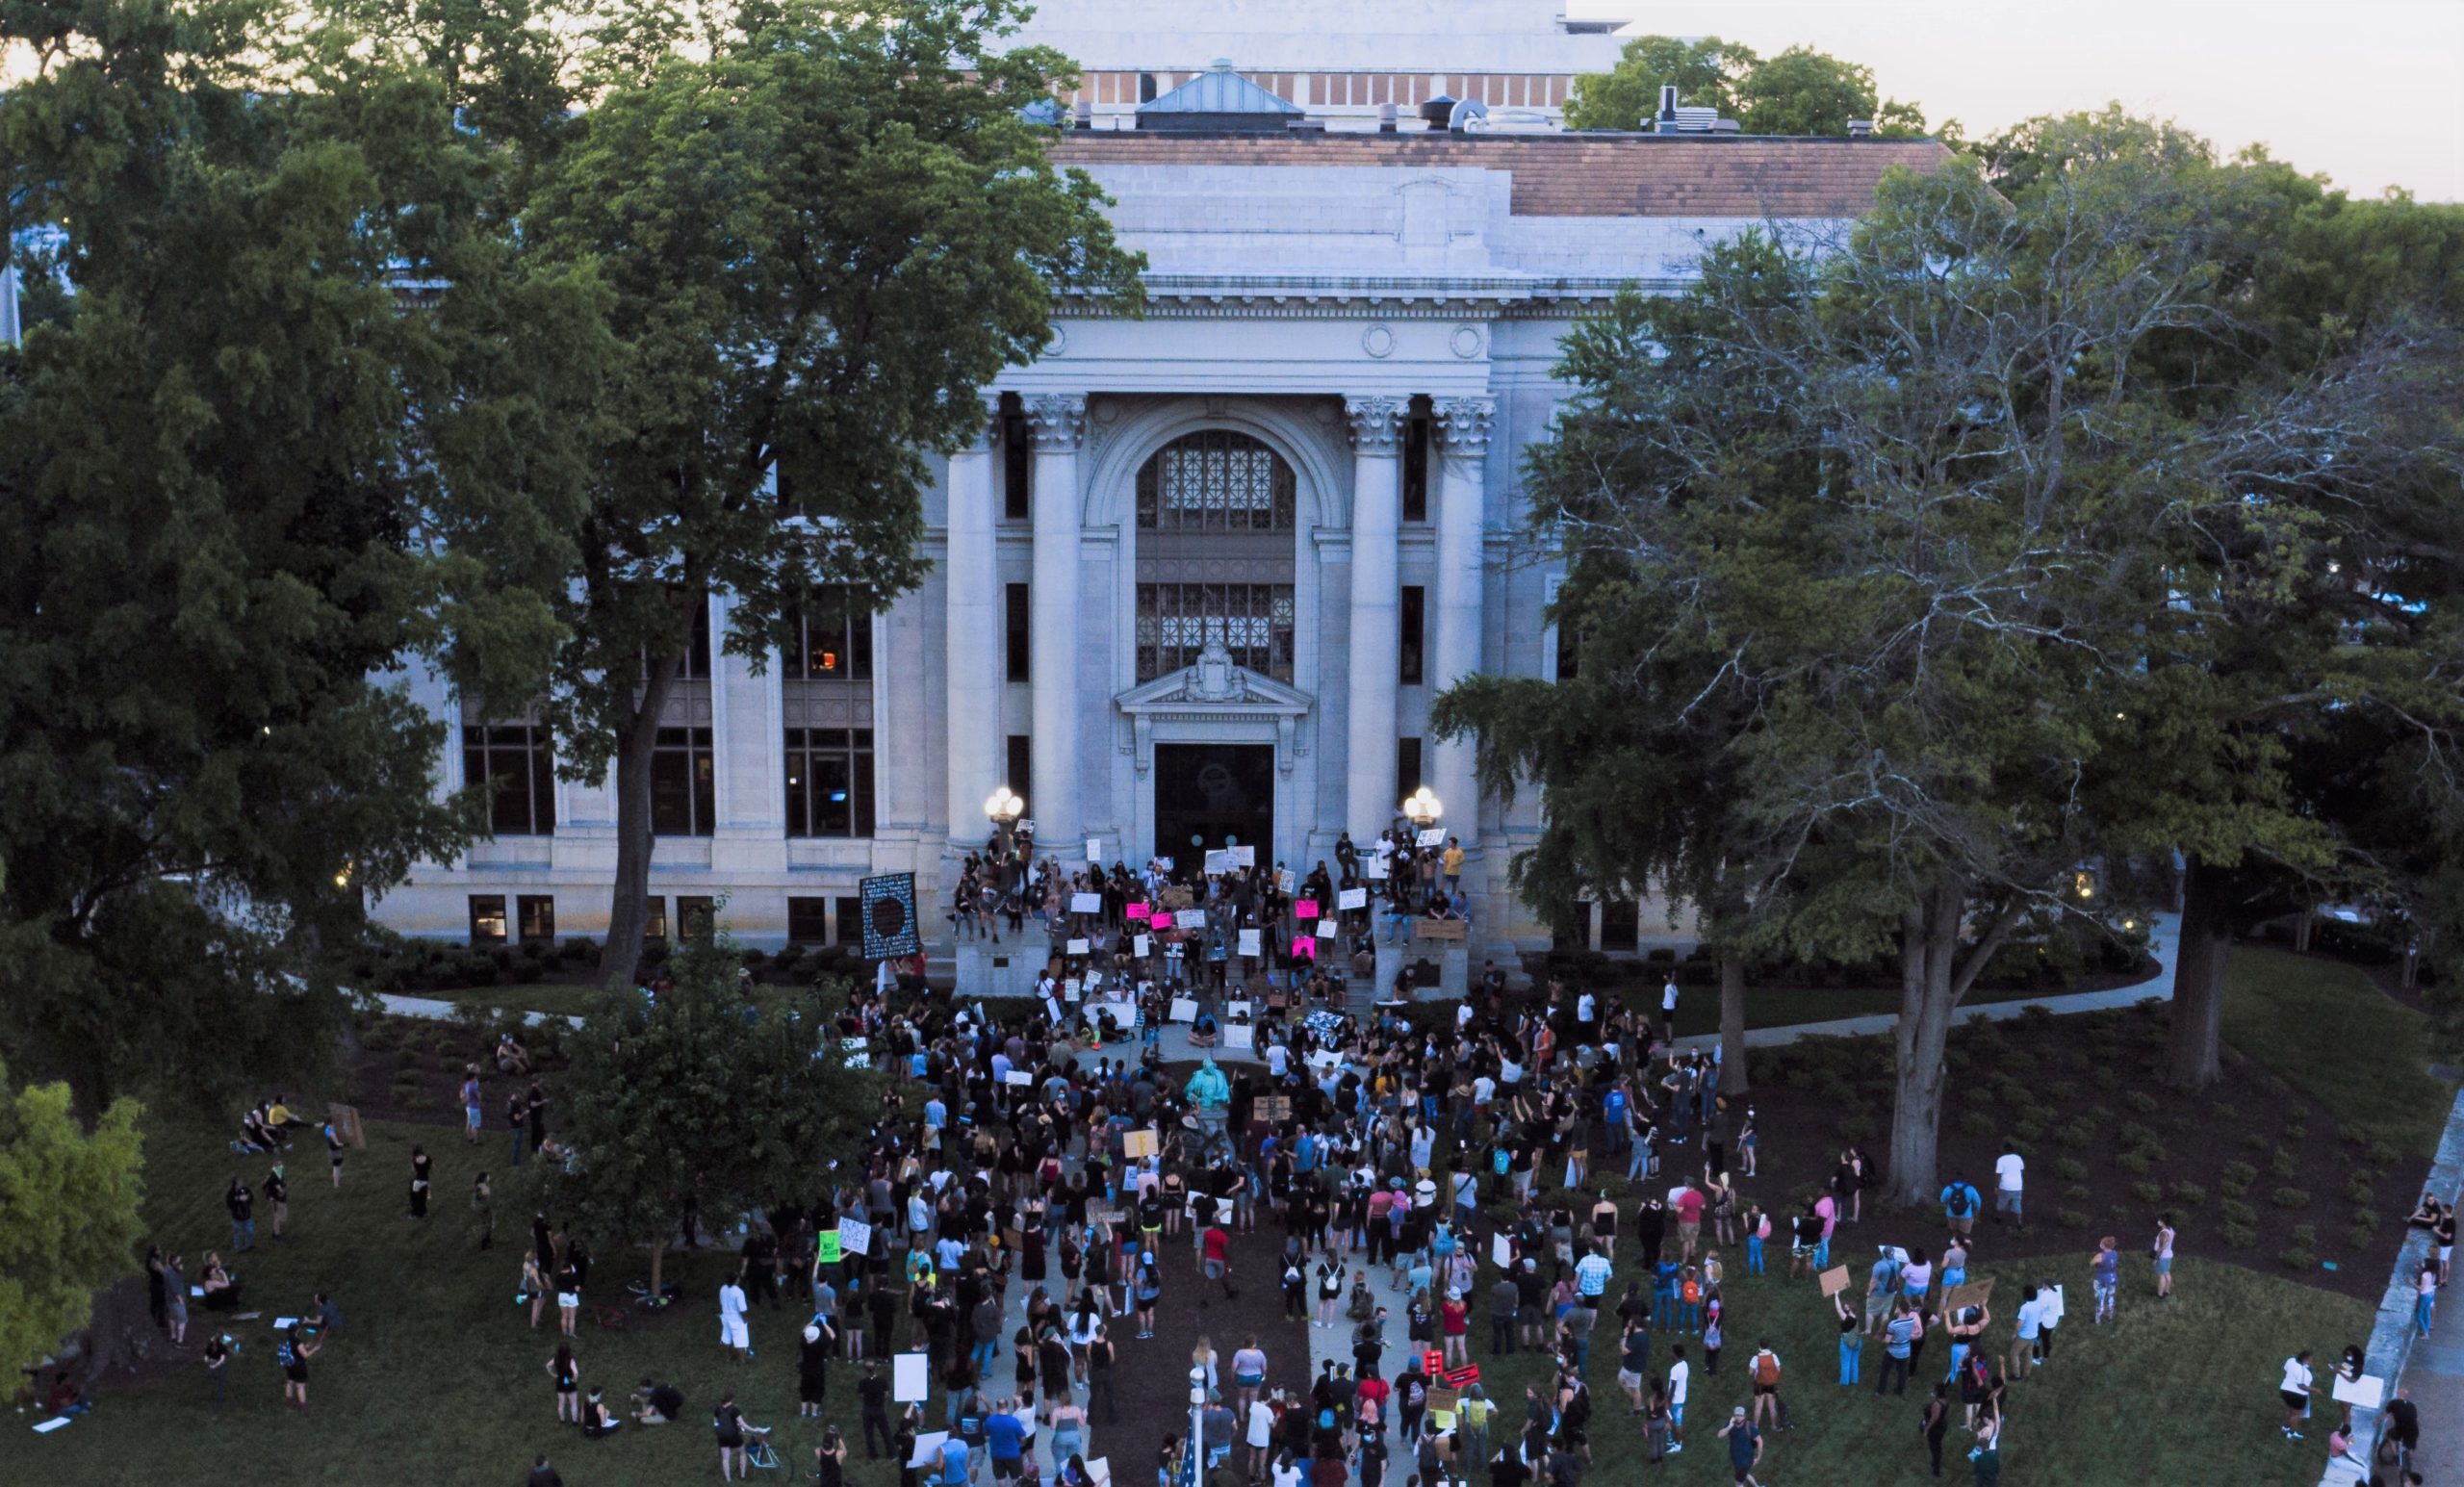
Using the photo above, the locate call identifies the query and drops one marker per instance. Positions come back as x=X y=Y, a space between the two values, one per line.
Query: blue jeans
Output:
x=983 y=1357
x=1754 y=1254
x=1822 y=1255
x=1852 y=1351
x=2421 y=1310
x=1664 y=1309
x=518 y=1133
x=1959 y=1355
x=1689 y=1317
x=244 y=1236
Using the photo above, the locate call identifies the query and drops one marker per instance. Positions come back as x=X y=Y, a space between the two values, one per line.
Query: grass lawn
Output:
x=2327 y=1031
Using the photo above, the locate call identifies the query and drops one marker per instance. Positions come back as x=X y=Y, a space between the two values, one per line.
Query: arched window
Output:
x=1215 y=480
x=1216 y=549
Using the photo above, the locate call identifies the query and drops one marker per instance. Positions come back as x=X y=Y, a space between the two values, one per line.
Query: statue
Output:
x=1208 y=1090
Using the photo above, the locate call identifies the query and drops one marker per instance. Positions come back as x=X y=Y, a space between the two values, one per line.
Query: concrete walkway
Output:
x=2431 y=1368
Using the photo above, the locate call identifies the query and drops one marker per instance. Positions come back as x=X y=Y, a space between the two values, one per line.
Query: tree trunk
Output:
x=659 y=1252
x=2193 y=1048
x=1934 y=978
x=1733 y=1080
x=628 y=908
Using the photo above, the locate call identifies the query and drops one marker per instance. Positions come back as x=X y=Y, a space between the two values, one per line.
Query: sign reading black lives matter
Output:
x=889 y=916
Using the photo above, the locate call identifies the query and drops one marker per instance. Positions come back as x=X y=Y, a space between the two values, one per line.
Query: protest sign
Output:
x=1352 y=898
x=1189 y=918
x=1134 y=914
x=1184 y=1010
x=1018 y=1079
x=1976 y=1292
x=1240 y=1035
x=889 y=903
x=1143 y=947
x=1325 y=929
x=1252 y=942
x=855 y=1236
x=1094 y=849
x=1306 y=908
x=1835 y=1280
x=1078 y=947
x=1431 y=836
x=1439 y=928
x=1304 y=947
x=1141 y=1143
x=1085 y=903
x=828 y=1248
x=912 y=1383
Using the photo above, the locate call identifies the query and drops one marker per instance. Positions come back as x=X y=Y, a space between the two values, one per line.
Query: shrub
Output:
x=407 y=1087
x=2189 y=1195
x=2283 y=1163
x=2140 y=1101
x=2025 y=1148
x=2359 y=1236
x=2257 y=1140
x=2029 y=1130
x=2063 y=1091
x=529 y=971
x=2290 y=1197
x=2235 y=1212
x=2221 y=1111
x=2148 y=1192
x=2077 y=1193
x=2236 y=1177
x=2133 y=1133
x=2358 y=1191
x=2306 y=1235
x=2236 y=1237
x=2071 y=1169
x=2078 y=1133
x=2071 y=1218
x=2297 y=1258
x=2366 y=1219
x=2295 y=1129
x=1976 y=1122
x=2105 y=1077
x=2383 y=1156
x=534 y=950
x=501 y=957
x=2138 y=1160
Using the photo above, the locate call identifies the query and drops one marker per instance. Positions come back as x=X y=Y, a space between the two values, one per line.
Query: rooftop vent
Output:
x=1674 y=117
x=1861 y=129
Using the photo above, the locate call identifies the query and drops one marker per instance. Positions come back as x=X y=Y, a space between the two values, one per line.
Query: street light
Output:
x=1196 y=1455
x=1422 y=807
x=1005 y=807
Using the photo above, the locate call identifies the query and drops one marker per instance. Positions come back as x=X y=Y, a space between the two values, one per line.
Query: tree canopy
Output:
x=69 y=1201
x=1799 y=91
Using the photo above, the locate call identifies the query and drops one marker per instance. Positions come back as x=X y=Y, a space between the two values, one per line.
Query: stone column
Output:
x=1370 y=796
x=1454 y=652
x=971 y=658
x=1059 y=423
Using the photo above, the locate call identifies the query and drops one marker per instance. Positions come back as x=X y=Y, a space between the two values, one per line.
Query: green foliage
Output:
x=640 y=1071
x=2073 y=1219
x=2189 y=1195
x=2297 y=1258
x=1706 y=71
x=70 y=1219
x=2140 y=1101
x=2077 y=1134
x=2236 y=1177
x=2239 y=1236
x=2147 y=1192
x=2365 y=1219
x=2235 y=1211
x=1976 y=1122
x=2295 y=1129
x=2139 y=1159
x=2077 y=1193
x=2071 y=1168
x=2284 y=1164
x=2290 y=1197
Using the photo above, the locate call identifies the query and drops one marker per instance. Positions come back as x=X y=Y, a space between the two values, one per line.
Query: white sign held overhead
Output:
x=1143 y=947
x=1252 y=942
x=1189 y=918
x=1431 y=836
x=910 y=1381
x=855 y=1237
x=1019 y=1078
x=1094 y=849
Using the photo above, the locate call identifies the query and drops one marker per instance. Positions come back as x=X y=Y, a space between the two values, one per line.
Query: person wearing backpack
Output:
x=1960 y=1202
x=1295 y=1289
x=1764 y=1370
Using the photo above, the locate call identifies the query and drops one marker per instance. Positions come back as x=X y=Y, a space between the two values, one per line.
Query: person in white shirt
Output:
x=1668 y=1011
x=1678 y=1372
x=2010 y=1175
x=733 y=1335
x=2050 y=1300
x=2023 y=1338
x=2295 y=1391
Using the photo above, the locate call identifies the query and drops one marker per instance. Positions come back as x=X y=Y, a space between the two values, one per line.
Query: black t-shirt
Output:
x=1508 y=1469
x=728 y=1422
x=873 y=1391
x=667 y=1399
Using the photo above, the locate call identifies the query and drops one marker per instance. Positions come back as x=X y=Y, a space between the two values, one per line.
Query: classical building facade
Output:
x=1201 y=576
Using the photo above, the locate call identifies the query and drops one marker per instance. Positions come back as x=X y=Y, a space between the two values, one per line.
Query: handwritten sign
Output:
x=855 y=1236
x=1094 y=849
x=1184 y=1010
x=1019 y=1079
x=1252 y=942
x=1189 y=918
x=1439 y=928
x=910 y=1382
x=1143 y=947
x=1222 y=861
x=1078 y=947
x=1374 y=870
x=1352 y=898
x=1240 y=1035
x=1325 y=929
x=1276 y=1108
x=346 y=1119
x=1239 y=1010
x=1085 y=903
x=1304 y=947
x=1288 y=881
x=1134 y=914
x=828 y=1251
x=2363 y=1393
x=1976 y=1292
x=1071 y=990
x=1141 y=1144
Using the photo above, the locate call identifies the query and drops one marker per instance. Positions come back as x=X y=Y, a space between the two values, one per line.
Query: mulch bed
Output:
x=2243 y=1168
x=1152 y=1377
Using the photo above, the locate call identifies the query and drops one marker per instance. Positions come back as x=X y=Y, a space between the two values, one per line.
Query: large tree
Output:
x=825 y=229
x=297 y=426
x=1800 y=92
x=704 y=1100
x=1891 y=495
x=1706 y=70
x=69 y=1201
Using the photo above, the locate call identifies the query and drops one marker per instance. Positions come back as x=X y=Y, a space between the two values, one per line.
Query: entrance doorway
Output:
x=1213 y=795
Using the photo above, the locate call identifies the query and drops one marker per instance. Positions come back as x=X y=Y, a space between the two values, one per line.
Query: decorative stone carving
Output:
x=1374 y=421
x=1378 y=341
x=1466 y=421
x=1059 y=420
x=1467 y=341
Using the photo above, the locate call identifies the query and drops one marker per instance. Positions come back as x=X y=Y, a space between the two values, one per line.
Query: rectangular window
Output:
x=792 y=491
x=696 y=915
x=487 y=918
x=1620 y=924
x=1415 y=617
x=830 y=782
x=516 y=764
x=655 y=920
x=851 y=921
x=1569 y=652
x=1416 y=438
x=694 y=663
x=1176 y=621
x=538 y=917
x=1017 y=462
x=683 y=790
x=833 y=638
x=1407 y=767
x=809 y=921
x=1570 y=927
x=1020 y=759
x=1018 y=631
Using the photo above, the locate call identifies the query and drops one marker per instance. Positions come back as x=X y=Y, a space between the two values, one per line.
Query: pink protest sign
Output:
x=1136 y=913
x=1304 y=947
x=1306 y=908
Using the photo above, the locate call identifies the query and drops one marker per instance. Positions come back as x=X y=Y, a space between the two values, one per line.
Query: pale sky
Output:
x=2369 y=92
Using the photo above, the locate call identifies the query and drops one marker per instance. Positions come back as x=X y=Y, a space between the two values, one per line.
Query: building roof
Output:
x=1564 y=175
x=1220 y=92
x=1322 y=35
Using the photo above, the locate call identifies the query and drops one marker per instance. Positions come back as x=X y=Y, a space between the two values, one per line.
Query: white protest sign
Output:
x=1077 y=947
x=1085 y=903
x=1251 y=942
x=855 y=1236
x=1288 y=881
x=1352 y=898
x=1189 y=918
x=1374 y=870
x=1019 y=1078
x=1500 y=1251
x=1240 y=1010
x=1184 y=1010
x=1431 y=836
x=1069 y=989
x=2363 y=1393
x=1240 y=1035
x=1222 y=861
x=1325 y=929
x=910 y=1382
x=1142 y=948
x=1094 y=849
x=928 y=1447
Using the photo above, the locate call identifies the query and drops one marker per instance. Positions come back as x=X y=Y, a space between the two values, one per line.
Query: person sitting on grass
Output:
x=597 y=1422
x=221 y=1288
x=655 y=1404
x=66 y=1397
x=511 y=1057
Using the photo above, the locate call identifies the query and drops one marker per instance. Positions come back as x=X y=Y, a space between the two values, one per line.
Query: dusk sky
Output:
x=2369 y=92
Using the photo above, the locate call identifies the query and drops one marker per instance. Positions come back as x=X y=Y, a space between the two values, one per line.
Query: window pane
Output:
x=809 y=921
x=1216 y=480
x=671 y=793
x=538 y=916
x=654 y=926
x=864 y=792
x=798 y=774
x=833 y=796
x=487 y=918
x=706 y=806
x=851 y=921
x=696 y=915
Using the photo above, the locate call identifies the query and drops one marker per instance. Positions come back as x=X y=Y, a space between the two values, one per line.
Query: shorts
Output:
x=1690 y=1232
x=1759 y=1389
x=1627 y=1379
x=1249 y=1380
x=470 y=1116
x=734 y=1334
x=2292 y=1401
x=569 y=1299
x=1006 y=1469
x=2164 y=1265
x=296 y=1373
x=1797 y=1246
x=1676 y=1414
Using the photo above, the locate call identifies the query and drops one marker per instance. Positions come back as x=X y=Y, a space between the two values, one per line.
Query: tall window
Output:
x=1017 y=631
x=1415 y=619
x=1017 y=461
x=696 y=915
x=515 y=762
x=1254 y=622
x=1019 y=755
x=1215 y=480
x=1407 y=767
x=834 y=640
x=851 y=921
x=538 y=917
x=694 y=663
x=683 y=794
x=809 y=921
x=1417 y=426
x=654 y=918
x=830 y=782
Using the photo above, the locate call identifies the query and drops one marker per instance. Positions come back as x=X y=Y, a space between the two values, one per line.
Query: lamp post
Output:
x=1421 y=808
x=1196 y=1453
x=1004 y=808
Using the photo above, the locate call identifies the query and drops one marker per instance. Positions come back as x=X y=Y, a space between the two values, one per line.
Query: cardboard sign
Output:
x=1304 y=947
x=1306 y=908
x=2364 y=1392
x=888 y=902
x=1374 y=870
x=1441 y=928
x=910 y=1382
x=1018 y=1079
x=1441 y=1402
x=1077 y=947
x=1085 y=903
x=1325 y=929
x=1276 y=1108
x=1252 y=942
x=1143 y=947
x=1835 y=1280
x=346 y=1119
x=855 y=1236
x=1134 y=914
x=1430 y=836
x=1975 y=1292
x=828 y=1251
x=1240 y=1035
x=1352 y=898
x=1141 y=1143
x=1189 y=918
x=1184 y=1010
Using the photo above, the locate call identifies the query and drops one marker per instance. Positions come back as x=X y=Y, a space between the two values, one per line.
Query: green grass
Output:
x=1698 y=1008
x=2177 y=1392
x=2327 y=1031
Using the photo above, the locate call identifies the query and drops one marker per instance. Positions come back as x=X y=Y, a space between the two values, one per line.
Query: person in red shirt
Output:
x=1371 y=1405
x=1455 y=1320
x=1218 y=1248
x=1689 y=1221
